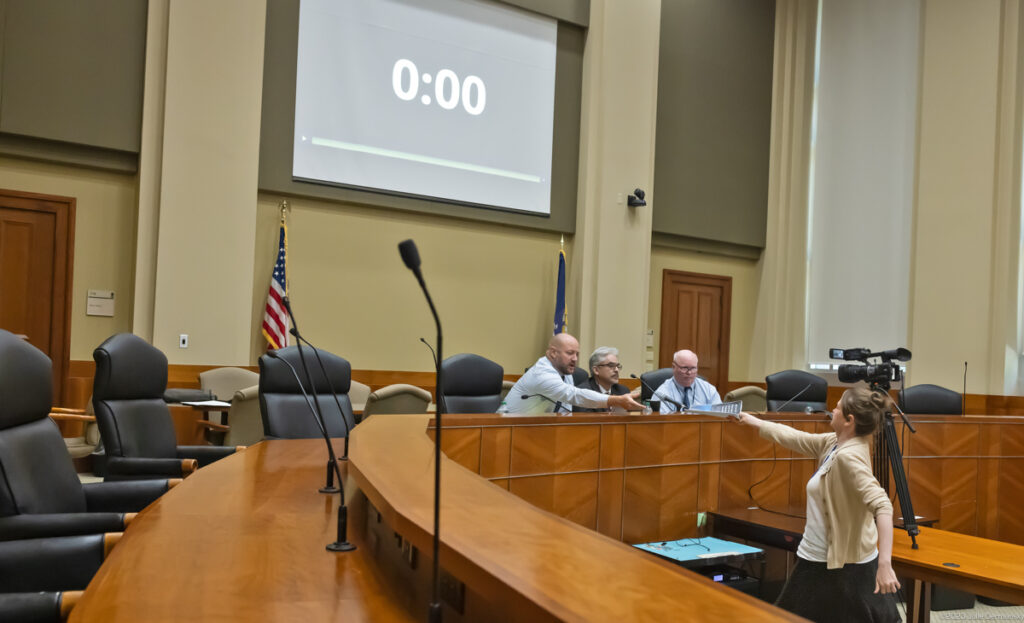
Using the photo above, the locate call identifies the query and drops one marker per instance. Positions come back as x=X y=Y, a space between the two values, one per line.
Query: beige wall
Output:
x=104 y=239
x=745 y=277
x=493 y=285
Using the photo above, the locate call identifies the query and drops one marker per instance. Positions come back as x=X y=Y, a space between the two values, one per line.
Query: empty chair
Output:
x=357 y=395
x=39 y=578
x=397 y=398
x=40 y=493
x=796 y=390
x=135 y=423
x=472 y=384
x=283 y=407
x=752 y=396
x=244 y=416
x=931 y=399
x=224 y=382
x=651 y=381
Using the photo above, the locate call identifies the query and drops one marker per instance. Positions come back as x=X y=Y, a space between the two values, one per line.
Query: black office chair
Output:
x=931 y=399
x=579 y=375
x=472 y=384
x=36 y=573
x=135 y=423
x=653 y=380
x=40 y=493
x=796 y=390
x=283 y=407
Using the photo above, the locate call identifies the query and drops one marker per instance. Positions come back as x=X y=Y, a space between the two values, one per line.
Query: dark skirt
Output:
x=826 y=595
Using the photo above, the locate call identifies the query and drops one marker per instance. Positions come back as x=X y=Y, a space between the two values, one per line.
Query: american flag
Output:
x=275 y=318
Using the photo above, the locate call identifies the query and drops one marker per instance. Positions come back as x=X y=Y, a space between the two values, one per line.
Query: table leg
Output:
x=919 y=601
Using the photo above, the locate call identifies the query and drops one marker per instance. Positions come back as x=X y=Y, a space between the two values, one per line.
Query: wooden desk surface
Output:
x=243 y=539
x=983 y=566
x=986 y=567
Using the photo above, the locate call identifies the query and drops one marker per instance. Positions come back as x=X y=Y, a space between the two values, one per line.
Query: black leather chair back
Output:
x=283 y=408
x=580 y=375
x=931 y=399
x=783 y=386
x=472 y=384
x=127 y=395
x=36 y=473
x=653 y=379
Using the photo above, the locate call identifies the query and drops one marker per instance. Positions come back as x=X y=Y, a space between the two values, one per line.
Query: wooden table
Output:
x=968 y=563
x=243 y=539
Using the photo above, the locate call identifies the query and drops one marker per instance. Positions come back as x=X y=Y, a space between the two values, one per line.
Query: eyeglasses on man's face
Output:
x=686 y=369
x=610 y=365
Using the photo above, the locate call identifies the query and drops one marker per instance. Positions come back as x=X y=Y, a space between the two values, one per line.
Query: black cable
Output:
x=750 y=490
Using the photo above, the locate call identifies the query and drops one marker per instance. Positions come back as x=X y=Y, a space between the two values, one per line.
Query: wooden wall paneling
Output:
x=959 y=495
x=662 y=443
x=462 y=445
x=495 y=451
x=555 y=449
x=987 y=503
x=572 y=496
x=709 y=471
x=501 y=482
x=925 y=485
x=743 y=443
x=609 y=503
x=613 y=446
x=1011 y=501
x=659 y=503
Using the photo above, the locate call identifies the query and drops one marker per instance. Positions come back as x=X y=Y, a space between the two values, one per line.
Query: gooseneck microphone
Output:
x=341 y=544
x=795 y=396
x=437 y=366
x=344 y=420
x=411 y=257
x=963 y=396
x=318 y=412
x=654 y=392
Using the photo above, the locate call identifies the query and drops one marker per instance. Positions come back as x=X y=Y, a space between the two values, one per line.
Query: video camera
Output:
x=878 y=374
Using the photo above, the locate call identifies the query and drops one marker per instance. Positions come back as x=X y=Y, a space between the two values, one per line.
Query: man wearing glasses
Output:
x=604 y=377
x=547 y=387
x=685 y=387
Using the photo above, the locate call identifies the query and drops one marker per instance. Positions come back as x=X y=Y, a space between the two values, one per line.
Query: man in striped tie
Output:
x=548 y=387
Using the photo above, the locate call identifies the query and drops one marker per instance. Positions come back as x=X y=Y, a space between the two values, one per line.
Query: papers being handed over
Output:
x=723 y=410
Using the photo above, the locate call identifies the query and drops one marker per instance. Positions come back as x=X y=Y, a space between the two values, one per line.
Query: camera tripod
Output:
x=887 y=453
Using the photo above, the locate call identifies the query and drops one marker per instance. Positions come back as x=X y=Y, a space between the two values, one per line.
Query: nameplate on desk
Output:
x=207 y=403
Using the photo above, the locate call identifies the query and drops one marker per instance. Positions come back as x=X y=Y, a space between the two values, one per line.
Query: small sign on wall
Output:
x=100 y=303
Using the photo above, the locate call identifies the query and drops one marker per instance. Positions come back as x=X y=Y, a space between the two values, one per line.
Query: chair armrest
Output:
x=72 y=417
x=212 y=426
x=125 y=496
x=139 y=468
x=59 y=524
x=248 y=393
x=205 y=454
x=53 y=564
x=41 y=607
x=67 y=410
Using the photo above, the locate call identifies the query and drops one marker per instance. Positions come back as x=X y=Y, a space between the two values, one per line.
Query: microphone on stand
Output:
x=654 y=392
x=411 y=258
x=317 y=413
x=330 y=386
x=437 y=366
x=341 y=544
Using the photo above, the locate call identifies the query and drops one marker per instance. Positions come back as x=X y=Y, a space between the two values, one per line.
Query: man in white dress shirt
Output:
x=685 y=387
x=548 y=387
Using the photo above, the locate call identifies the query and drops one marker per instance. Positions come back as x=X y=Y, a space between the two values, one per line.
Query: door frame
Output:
x=63 y=209
x=666 y=350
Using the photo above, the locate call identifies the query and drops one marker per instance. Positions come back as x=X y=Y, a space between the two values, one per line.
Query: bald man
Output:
x=685 y=387
x=548 y=386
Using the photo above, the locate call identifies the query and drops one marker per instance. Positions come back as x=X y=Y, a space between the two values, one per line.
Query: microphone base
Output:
x=331 y=489
x=340 y=546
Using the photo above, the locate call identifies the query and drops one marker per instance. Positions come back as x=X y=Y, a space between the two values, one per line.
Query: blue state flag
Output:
x=560 y=296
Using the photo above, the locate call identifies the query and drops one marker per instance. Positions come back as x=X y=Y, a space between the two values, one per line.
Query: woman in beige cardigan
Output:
x=844 y=562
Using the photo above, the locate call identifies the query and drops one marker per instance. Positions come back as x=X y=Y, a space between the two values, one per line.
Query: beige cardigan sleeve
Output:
x=808 y=444
x=862 y=482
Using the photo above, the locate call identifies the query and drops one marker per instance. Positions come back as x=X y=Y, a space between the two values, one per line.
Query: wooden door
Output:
x=36 y=253
x=695 y=312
